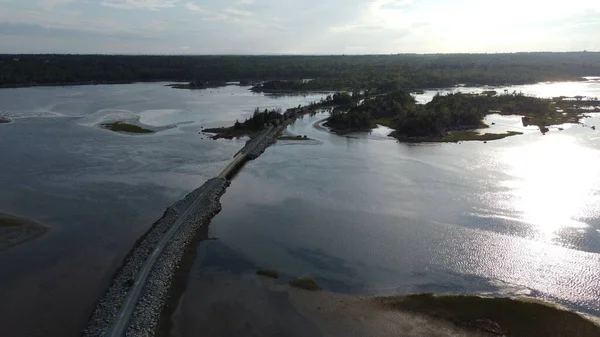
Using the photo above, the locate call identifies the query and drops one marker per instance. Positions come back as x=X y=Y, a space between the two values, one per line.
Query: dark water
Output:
x=98 y=190
x=368 y=215
x=362 y=214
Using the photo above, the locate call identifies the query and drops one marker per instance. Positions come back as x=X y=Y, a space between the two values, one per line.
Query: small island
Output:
x=291 y=86
x=198 y=85
x=252 y=125
x=126 y=128
x=449 y=118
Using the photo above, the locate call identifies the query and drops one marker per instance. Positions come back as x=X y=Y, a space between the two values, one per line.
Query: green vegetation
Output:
x=229 y=132
x=126 y=128
x=306 y=284
x=339 y=72
x=449 y=118
x=499 y=316
x=472 y=135
x=251 y=125
x=268 y=273
x=380 y=108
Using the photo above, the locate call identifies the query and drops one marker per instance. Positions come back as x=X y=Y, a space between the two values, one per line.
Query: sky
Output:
x=297 y=27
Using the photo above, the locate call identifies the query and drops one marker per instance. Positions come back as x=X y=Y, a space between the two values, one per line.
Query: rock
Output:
x=490 y=326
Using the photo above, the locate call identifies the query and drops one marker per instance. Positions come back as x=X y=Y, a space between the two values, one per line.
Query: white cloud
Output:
x=307 y=26
x=50 y=4
x=236 y=12
x=140 y=4
x=193 y=7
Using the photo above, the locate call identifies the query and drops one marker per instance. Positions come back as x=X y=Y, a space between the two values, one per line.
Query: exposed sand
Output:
x=15 y=230
x=233 y=304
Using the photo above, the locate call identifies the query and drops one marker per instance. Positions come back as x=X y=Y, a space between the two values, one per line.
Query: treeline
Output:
x=326 y=72
x=259 y=119
x=444 y=113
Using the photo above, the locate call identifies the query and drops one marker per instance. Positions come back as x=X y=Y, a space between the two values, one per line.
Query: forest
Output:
x=446 y=113
x=337 y=72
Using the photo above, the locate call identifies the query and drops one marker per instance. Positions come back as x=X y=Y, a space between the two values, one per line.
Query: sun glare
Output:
x=554 y=183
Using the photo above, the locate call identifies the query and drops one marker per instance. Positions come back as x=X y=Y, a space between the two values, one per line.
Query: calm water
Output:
x=98 y=190
x=368 y=215
x=363 y=214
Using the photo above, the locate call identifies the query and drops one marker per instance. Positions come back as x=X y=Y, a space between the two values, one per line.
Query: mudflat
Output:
x=229 y=303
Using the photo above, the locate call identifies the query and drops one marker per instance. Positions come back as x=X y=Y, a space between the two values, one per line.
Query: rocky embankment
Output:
x=145 y=317
x=195 y=210
x=257 y=145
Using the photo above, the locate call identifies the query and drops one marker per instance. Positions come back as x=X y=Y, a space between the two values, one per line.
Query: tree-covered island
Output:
x=452 y=117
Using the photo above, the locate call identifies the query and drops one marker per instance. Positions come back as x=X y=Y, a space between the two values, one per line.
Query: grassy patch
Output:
x=268 y=273
x=229 y=133
x=554 y=118
x=306 y=284
x=500 y=316
x=473 y=135
x=125 y=127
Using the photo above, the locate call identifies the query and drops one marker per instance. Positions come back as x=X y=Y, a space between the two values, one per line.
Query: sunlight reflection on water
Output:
x=554 y=185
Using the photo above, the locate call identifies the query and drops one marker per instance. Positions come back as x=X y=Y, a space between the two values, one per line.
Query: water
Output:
x=99 y=190
x=367 y=215
x=589 y=88
x=363 y=214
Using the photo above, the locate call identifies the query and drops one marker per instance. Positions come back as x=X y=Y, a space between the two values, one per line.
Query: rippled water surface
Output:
x=99 y=190
x=363 y=214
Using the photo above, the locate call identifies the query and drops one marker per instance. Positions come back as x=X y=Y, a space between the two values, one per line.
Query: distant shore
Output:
x=15 y=230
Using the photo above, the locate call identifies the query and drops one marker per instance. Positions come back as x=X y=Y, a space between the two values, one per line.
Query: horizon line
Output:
x=285 y=54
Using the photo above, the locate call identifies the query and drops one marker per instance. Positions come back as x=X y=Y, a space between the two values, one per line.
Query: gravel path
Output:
x=147 y=312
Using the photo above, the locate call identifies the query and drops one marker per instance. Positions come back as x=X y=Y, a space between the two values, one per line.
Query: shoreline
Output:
x=184 y=84
x=221 y=297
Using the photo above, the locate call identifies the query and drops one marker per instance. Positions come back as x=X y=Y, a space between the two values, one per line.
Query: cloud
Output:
x=193 y=7
x=50 y=4
x=237 y=12
x=24 y=30
x=139 y=4
x=395 y=4
x=289 y=26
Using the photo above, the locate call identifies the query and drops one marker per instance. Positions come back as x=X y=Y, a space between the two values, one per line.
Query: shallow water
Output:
x=363 y=214
x=589 y=88
x=98 y=190
x=371 y=216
